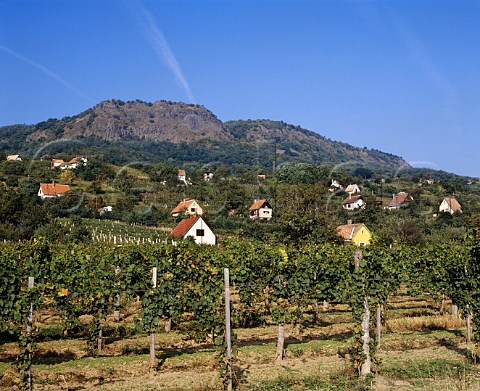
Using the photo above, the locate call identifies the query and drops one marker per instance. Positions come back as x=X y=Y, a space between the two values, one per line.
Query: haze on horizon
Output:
x=401 y=77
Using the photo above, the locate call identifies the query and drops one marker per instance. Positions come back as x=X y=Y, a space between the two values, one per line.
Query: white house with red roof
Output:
x=352 y=189
x=450 y=205
x=353 y=202
x=196 y=228
x=187 y=207
x=50 y=190
x=261 y=210
x=56 y=163
x=74 y=163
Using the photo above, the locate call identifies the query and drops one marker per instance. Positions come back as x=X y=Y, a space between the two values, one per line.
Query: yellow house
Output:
x=357 y=234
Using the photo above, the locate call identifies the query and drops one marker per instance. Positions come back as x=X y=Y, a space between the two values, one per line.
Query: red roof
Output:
x=259 y=204
x=351 y=199
x=185 y=204
x=453 y=203
x=53 y=189
x=399 y=199
x=348 y=231
x=181 y=172
x=184 y=226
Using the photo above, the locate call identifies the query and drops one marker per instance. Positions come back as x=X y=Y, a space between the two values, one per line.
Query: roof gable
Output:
x=53 y=189
x=260 y=204
x=348 y=231
x=452 y=203
x=399 y=199
x=351 y=199
x=183 y=205
x=184 y=226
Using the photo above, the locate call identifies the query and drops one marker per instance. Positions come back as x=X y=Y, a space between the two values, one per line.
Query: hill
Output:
x=185 y=133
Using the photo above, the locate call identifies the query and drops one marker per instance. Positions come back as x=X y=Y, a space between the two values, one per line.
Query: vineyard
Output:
x=116 y=232
x=149 y=302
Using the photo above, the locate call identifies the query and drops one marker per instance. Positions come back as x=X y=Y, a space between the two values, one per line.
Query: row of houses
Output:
x=260 y=209
x=355 y=201
x=196 y=228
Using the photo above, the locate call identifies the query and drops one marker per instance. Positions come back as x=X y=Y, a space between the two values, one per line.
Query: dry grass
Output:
x=418 y=352
x=422 y=323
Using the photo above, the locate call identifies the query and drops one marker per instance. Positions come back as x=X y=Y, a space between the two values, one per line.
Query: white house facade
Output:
x=196 y=228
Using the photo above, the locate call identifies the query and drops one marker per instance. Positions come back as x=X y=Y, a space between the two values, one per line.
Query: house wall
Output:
x=354 y=205
x=444 y=207
x=363 y=236
x=198 y=210
x=265 y=213
x=209 y=236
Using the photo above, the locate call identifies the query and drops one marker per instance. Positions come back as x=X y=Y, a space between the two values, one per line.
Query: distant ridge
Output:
x=191 y=133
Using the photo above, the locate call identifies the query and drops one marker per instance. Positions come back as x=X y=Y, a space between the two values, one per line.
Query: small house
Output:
x=261 y=210
x=400 y=200
x=261 y=177
x=182 y=177
x=13 y=158
x=352 y=189
x=335 y=186
x=450 y=205
x=74 y=163
x=357 y=234
x=50 y=190
x=56 y=163
x=196 y=228
x=207 y=176
x=353 y=202
x=187 y=207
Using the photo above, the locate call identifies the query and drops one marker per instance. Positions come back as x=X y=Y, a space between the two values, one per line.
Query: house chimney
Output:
x=53 y=183
x=349 y=222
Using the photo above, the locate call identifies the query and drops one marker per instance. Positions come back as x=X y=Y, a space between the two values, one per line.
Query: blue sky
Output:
x=399 y=76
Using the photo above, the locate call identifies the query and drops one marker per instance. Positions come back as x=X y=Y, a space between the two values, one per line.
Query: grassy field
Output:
x=420 y=350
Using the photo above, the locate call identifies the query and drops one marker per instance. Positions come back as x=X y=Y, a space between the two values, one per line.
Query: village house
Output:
x=50 y=190
x=261 y=210
x=335 y=186
x=353 y=202
x=56 y=163
x=357 y=234
x=187 y=207
x=207 y=176
x=261 y=177
x=196 y=228
x=74 y=163
x=182 y=177
x=400 y=200
x=352 y=189
x=450 y=205
x=12 y=158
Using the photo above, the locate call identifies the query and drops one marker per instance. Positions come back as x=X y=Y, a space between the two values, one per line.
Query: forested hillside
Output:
x=185 y=133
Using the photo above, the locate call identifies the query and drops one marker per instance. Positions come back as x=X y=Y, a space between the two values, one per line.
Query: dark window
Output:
x=200 y=232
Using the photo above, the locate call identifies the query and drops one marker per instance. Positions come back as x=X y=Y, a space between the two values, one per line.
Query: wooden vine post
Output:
x=116 y=312
x=31 y=281
x=366 y=366
x=379 y=325
x=228 y=340
x=280 y=344
x=152 y=335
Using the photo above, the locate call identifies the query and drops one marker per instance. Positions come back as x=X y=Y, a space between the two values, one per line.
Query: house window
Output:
x=200 y=232
x=192 y=210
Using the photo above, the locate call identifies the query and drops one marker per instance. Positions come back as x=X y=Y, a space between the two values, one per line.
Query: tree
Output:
x=67 y=176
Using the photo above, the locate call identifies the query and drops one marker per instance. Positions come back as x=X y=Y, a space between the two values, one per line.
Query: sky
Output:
x=399 y=76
